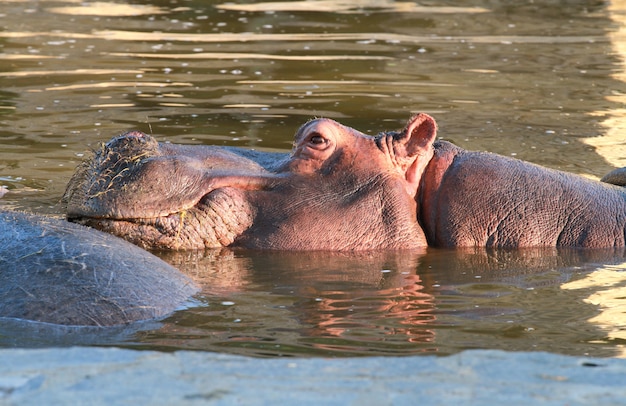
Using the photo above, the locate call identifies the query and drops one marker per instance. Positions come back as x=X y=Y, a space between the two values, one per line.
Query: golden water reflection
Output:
x=612 y=144
x=70 y=72
x=607 y=287
x=107 y=9
x=324 y=36
x=234 y=55
x=117 y=84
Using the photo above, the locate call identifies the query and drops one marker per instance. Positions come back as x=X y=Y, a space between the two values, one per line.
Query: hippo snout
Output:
x=133 y=134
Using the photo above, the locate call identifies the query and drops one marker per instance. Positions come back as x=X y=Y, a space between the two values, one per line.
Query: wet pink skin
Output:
x=478 y=199
x=340 y=190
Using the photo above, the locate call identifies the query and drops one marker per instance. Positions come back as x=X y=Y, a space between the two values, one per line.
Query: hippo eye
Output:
x=317 y=140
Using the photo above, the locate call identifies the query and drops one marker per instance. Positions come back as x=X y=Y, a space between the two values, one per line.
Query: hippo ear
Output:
x=420 y=133
x=414 y=147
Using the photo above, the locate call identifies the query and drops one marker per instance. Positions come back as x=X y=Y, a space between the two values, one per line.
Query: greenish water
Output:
x=541 y=81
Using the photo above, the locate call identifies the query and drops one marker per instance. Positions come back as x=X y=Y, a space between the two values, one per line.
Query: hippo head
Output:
x=339 y=189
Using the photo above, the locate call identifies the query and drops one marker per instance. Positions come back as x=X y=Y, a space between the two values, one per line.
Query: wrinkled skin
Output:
x=339 y=189
x=62 y=273
x=482 y=199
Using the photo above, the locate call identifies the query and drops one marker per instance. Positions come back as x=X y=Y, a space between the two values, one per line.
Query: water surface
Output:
x=540 y=81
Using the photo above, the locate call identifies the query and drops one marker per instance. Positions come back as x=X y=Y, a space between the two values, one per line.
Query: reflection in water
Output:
x=320 y=302
x=607 y=288
x=120 y=35
x=48 y=73
x=218 y=55
x=393 y=303
x=367 y=303
x=116 y=84
x=100 y=8
x=341 y=304
x=611 y=145
x=607 y=285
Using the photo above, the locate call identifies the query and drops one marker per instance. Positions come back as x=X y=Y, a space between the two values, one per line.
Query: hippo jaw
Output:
x=215 y=221
x=156 y=197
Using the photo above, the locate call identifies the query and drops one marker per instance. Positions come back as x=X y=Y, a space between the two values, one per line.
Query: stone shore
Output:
x=113 y=376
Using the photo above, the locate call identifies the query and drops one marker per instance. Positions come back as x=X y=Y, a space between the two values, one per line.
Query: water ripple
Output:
x=100 y=8
x=120 y=35
x=349 y=6
x=235 y=55
x=118 y=84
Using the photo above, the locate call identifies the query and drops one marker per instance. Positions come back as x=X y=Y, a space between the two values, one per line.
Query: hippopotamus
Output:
x=66 y=274
x=339 y=189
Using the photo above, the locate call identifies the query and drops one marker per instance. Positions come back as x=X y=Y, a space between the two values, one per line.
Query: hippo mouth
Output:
x=216 y=220
x=165 y=196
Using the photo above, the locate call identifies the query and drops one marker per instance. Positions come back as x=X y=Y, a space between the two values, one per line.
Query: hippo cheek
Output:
x=322 y=216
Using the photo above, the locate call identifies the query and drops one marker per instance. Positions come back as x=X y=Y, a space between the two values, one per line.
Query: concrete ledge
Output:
x=113 y=376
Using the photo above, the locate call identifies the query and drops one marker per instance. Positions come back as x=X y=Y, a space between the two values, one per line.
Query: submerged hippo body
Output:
x=62 y=273
x=339 y=189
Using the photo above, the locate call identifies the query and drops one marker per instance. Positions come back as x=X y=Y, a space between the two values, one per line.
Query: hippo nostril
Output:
x=128 y=139
x=133 y=134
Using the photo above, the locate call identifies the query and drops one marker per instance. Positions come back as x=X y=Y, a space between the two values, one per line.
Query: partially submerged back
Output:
x=63 y=273
x=483 y=199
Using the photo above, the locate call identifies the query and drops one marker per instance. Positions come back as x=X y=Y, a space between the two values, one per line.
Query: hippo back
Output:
x=483 y=199
x=58 y=272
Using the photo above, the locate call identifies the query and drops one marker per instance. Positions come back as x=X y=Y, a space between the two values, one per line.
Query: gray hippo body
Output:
x=339 y=189
x=57 y=272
